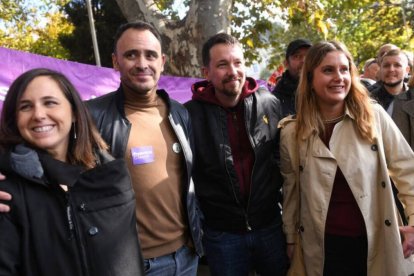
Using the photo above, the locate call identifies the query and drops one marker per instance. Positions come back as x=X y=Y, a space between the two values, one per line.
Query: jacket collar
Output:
x=59 y=172
x=408 y=101
x=406 y=95
x=348 y=114
x=204 y=91
x=54 y=171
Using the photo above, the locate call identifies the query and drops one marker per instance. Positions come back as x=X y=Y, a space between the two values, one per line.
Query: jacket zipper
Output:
x=75 y=233
x=254 y=164
x=69 y=218
x=246 y=218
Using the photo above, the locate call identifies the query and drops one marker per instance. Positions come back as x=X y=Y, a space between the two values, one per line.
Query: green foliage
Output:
x=252 y=24
x=10 y=10
x=259 y=24
x=361 y=25
x=107 y=17
x=34 y=28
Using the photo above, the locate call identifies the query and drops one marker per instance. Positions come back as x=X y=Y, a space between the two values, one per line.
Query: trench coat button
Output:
x=374 y=147
x=387 y=222
x=301 y=229
x=383 y=184
x=93 y=231
x=301 y=168
x=82 y=206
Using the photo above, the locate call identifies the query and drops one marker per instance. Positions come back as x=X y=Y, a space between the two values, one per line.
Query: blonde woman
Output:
x=348 y=148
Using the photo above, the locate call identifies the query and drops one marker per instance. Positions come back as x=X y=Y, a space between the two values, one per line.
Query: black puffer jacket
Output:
x=89 y=230
x=217 y=186
x=109 y=115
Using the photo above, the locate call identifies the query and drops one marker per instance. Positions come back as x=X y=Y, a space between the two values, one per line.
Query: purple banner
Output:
x=91 y=81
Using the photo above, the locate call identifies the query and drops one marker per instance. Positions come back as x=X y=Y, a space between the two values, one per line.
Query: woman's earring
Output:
x=74 y=130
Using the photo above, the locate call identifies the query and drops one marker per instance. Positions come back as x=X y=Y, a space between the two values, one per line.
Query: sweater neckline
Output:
x=138 y=101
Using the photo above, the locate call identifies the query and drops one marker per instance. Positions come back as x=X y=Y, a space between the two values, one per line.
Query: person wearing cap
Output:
x=285 y=89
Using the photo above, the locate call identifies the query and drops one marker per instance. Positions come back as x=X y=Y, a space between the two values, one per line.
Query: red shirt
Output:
x=241 y=148
x=344 y=216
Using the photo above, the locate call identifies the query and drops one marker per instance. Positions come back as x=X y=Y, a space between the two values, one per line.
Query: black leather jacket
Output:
x=89 y=230
x=217 y=187
x=109 y=115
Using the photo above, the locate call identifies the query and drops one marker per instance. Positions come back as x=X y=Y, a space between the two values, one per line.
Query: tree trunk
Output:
x=182 y=39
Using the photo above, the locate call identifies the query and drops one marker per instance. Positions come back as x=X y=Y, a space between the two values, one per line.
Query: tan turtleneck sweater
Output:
x=157 y=171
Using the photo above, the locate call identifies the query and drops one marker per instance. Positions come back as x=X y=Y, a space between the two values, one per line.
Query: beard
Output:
x=393 y=84
x=233 y=90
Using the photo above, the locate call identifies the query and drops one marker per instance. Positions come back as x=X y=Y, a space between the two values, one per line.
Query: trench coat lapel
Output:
x=320 y=150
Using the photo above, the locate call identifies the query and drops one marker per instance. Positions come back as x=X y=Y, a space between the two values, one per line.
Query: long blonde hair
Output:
x=358 y=101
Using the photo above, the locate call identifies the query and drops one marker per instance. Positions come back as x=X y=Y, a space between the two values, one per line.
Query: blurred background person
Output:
x=410 y=56
x=348 y=147
x=393 y=93
x=371 y=68
x=381 y=51
x=411 y=80
x=72 y=208
x=286 y=86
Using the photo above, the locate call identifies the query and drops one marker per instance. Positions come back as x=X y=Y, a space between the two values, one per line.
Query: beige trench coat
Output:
x=364 y=166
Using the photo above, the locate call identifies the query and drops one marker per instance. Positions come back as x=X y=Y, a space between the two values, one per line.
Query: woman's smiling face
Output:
x=332 y=79
x=45 y=117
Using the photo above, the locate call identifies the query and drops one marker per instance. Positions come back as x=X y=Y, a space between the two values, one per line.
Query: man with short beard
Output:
x=393 y=94
x=236 y=175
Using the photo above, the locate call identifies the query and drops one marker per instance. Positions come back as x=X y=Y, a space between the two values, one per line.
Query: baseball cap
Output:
x=296 y=44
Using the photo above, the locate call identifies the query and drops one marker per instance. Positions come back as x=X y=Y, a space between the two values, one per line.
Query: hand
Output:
x=290 y=249
x=4 y=196
x=407 y=233
x=3 y=207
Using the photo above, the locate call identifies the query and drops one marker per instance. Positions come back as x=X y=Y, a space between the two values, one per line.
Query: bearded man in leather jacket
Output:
x=236 y=172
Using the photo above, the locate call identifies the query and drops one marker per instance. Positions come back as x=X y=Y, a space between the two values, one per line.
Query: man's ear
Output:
x=164 y=59
x=407 y=70
x=286 y=63
x=204 y=72
x=115 y=63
